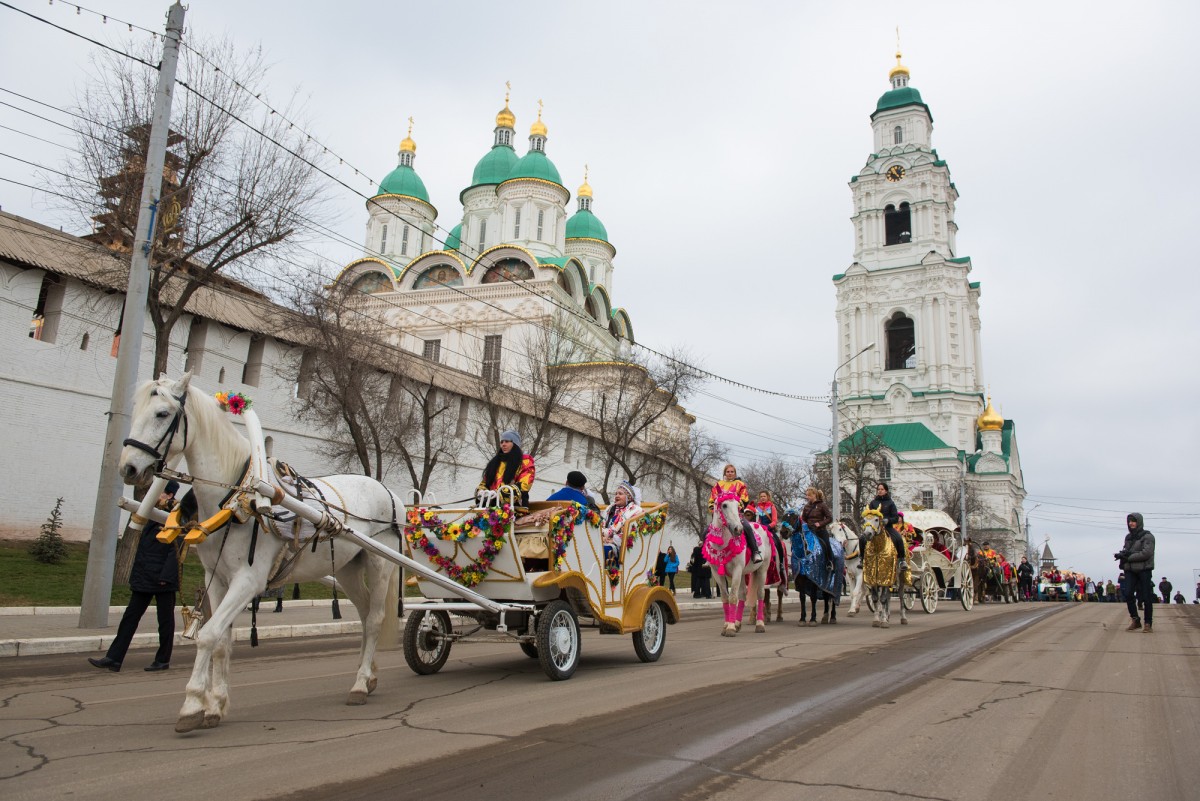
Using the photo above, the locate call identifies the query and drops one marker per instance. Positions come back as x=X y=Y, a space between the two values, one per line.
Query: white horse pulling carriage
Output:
x=541 y=574
x=256 y=528
x=939 y=563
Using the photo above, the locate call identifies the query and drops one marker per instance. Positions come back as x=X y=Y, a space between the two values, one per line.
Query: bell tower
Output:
x=907 y=289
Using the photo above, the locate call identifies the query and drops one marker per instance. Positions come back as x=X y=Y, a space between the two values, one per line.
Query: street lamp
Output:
x=833 y=451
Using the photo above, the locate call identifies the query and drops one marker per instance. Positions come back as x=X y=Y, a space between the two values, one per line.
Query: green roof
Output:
x=898 y=98
x=585 y=225
x=897 y=437
x=959 y=259
x=404 y=181
x=558 y=261
x=973 y=285
x=495 y=166
x=454 y=240
x=534 y=164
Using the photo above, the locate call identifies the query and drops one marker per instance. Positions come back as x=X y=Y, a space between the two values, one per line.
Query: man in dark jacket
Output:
x=1165 y=588
x=154 y=577
x=1137 y=560
x=891 y=516
x=1025 y=579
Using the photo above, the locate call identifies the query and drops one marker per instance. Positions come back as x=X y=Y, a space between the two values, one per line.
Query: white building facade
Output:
x=920 y=389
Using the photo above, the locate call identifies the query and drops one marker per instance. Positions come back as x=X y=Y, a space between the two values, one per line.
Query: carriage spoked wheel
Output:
x=967 y=593
x=427 y=651
x=652 y=639
x=929 y=591
x=908 y=596
x=558 y=640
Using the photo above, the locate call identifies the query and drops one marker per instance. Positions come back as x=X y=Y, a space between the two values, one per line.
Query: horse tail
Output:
x=389 y=633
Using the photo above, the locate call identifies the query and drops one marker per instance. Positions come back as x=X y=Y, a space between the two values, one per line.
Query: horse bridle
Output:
x=160 y=449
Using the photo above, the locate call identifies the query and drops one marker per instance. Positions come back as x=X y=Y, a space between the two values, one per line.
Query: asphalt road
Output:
x=1026 y=701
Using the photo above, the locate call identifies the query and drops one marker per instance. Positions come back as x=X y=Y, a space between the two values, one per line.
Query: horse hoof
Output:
x=211 y=722
x=903 y=621
x=759 y=628
x=728 y=633
x=189 y=722
x=737 y=626
x=356 y=698
x=372 y=683
x=885 y=625
x=875 y=624
x=852 y=613
x=802 y=623
x=824 y=619
x=813 y=623
x=779 y=618
x=833 y=621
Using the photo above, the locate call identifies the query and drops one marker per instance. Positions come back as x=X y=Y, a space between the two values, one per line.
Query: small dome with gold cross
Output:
x=990 y=420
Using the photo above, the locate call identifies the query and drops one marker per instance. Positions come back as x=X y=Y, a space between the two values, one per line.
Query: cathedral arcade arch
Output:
x=370 y=276
x=900 y=336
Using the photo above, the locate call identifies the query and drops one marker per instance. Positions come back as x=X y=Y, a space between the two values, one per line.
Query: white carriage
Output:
x=533 y=582
x=939 y=564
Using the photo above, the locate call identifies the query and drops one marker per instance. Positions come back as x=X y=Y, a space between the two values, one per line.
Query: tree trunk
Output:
x=127 y=548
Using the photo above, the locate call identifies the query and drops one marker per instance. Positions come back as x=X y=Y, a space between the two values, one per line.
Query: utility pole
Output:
x=97 y=583
x=834 y=450
x=962 y=499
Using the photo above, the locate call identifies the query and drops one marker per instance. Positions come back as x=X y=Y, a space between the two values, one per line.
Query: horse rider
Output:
x=883 y=503
x=731 y=483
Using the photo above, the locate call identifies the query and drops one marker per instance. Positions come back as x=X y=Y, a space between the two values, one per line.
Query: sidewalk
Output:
x=41 y=630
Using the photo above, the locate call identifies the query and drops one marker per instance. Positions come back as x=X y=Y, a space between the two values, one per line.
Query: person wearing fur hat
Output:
x=626 y=505
x=510 y=467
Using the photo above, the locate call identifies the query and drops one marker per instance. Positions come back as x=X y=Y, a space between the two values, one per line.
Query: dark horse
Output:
x=988 y=576
x=813 y=578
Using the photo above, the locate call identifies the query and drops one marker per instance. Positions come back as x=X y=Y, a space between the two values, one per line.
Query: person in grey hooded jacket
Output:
x=1137 y=560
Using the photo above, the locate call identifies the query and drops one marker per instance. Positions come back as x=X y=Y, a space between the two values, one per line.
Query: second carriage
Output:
x=534 y=580
x=939 y=562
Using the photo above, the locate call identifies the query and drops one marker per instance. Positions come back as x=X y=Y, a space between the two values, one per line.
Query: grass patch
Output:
x=24 y=581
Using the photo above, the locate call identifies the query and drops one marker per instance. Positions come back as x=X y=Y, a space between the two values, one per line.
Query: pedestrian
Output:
x=1165 y=588
x=154 y=577
x=1100 y=591
x=1110 y=592
x=672 y=566
x=1089 y=589
x=701 y=574
x=1025 y=578
x=660 y=569
x=1179 y=599
x=1137 y=561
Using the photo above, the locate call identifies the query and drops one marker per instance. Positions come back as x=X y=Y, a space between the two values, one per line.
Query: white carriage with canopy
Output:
x=939 y=564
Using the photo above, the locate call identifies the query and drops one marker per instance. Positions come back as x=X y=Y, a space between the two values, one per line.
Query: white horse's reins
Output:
x=168 y=436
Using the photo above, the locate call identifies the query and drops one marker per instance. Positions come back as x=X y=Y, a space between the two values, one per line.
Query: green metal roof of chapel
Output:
x=535 y=164
x=897 y=437
x=898 y=98
x=495 y=166
x=404 y=181
x=585 y=225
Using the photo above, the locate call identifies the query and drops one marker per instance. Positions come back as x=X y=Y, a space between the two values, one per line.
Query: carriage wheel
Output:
x=650 y=641
x=929 y=591
x=529 y=649
x=967 y=595
x=558 y=640
x=427 y=651
x=908 y=596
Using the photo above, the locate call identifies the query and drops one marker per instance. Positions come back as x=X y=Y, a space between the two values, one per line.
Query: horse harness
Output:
x=160 y=449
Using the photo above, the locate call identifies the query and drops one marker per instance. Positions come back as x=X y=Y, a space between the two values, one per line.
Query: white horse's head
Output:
x=726 y=514
x=872 y=523
x=158 y=429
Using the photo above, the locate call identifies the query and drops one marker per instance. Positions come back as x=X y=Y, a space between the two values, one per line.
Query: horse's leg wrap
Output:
x=761 y=608
x=741 y=610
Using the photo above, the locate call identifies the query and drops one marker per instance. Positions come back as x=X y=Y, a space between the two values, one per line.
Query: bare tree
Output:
x=951 y=493
x=862 y=461
x=232 y=199
x=528 y=397
x=697 y=458
x=637 y=413
x=424 y=424
x=785 y=479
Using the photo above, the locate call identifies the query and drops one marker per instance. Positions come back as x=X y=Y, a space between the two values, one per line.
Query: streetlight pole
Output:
x=836 y=511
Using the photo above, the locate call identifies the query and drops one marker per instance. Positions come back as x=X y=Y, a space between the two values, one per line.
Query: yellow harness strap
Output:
x=209 y=526
x=171 y=530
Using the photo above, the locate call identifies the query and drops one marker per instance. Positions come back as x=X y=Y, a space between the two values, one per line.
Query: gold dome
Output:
x=538 y=128
x=407 y=145
x=506 y=119
x=990 y=420
x=899 y=69
x=585 y=189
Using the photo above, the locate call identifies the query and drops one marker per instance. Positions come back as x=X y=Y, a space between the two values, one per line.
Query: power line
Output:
x=78 y=35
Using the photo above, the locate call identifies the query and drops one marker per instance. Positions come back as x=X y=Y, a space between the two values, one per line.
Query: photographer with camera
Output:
x=1137 y=560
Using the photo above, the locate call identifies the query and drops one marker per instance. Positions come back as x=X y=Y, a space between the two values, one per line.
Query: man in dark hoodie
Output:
x=1137 y=560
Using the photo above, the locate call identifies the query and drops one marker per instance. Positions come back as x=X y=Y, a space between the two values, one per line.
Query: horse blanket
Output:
x=808 y=562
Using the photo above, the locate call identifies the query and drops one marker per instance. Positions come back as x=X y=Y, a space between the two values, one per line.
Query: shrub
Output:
x=49 y=547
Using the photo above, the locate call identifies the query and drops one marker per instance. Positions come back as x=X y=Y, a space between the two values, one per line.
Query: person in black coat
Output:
x=154 y=577
x=891 y=516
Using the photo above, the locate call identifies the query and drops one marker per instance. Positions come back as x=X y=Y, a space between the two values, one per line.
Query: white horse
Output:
x=880 y=569
x=725 y=549
x=171 y=418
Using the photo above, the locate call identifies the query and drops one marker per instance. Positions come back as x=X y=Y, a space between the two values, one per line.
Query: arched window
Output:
x=901 y=342
x=438 y=276
x=898 y=135
x=372 y=283
x=508 y=270
x=541 y=222
x=897 y=224
x=404 y=241
x=517 y=224
x=383 y=240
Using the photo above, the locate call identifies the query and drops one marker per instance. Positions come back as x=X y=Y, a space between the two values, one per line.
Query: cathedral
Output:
x=515 y=263
x=908 y=327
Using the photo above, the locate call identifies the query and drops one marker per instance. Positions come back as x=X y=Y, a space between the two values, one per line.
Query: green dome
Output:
x=896 y=98
x=585 y=225
x=404 y=181
x=454 y=240
x=495 y=166
x=534 y=164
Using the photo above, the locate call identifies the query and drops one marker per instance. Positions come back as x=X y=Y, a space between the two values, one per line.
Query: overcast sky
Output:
x=721 y=138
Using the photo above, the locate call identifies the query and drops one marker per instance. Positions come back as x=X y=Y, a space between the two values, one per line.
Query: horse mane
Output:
x=207 y=419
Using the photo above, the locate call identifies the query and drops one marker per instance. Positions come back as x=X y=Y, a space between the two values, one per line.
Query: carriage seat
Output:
x=532 y=534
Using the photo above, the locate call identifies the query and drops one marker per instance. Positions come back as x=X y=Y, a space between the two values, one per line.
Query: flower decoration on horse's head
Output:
x=233 y=402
